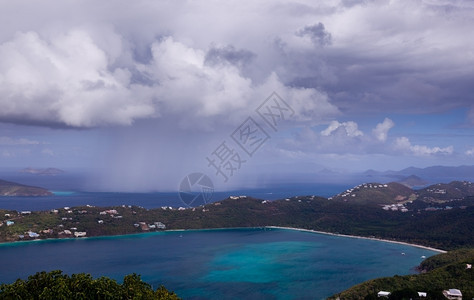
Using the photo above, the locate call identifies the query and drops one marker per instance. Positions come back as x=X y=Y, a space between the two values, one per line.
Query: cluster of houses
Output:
x=171 y=208
x=452 y=294
x=372 y=186
x=350 y=192
x=395 y=207
x=386 y=294
x=30 y=234
x=146 y=227
x=73 y=231
x=431 y=208
x=437 y=191
x=62 y=234
x=237 y=197
x=111 y=212
x=10 y=222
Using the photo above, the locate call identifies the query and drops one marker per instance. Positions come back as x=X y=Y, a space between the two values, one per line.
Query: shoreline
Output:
x=157 y=232
x=359 y=237
x=230 y=228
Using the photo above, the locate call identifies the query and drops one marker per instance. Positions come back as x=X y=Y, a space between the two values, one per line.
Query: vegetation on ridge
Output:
x=56 y=285
x=440 y=272
x=445 y=229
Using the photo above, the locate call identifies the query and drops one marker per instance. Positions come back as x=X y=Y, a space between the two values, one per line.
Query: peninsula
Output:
x=8 y=188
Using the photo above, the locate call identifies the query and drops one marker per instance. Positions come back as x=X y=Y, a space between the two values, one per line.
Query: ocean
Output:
x=63 y=198
x=221 y=264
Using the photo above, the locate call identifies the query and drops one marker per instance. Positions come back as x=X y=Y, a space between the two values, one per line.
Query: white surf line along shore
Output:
x=359 y=237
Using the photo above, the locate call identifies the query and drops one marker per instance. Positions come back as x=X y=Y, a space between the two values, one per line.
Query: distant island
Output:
x=8 y=188
x=43 y=172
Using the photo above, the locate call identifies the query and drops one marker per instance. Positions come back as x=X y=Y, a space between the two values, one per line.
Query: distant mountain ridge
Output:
x=8 y=188
x=431 y=174
x=413 y=181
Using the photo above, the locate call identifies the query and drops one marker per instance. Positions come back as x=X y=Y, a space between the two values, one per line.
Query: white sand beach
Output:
x=359 y=237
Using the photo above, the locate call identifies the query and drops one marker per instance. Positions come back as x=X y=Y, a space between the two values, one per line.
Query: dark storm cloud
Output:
x=318 y=34
x=165 y=71
x=383 y=58
x=379 y=55
x=228 y=54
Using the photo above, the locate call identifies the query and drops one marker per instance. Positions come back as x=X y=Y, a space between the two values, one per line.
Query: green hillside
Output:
x=15 y=189
x=442 y=192
x=441 y=272
x=394 y=192
x=377 y=193
x=445 y=229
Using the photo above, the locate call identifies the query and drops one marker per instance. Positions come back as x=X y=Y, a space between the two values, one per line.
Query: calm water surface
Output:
x=63 y=198
x=221 y=264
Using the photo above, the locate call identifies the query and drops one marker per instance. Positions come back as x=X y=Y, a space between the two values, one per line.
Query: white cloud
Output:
x=66 y=79
x=88 y=69
x=404 y=144
x=350 y=129
x=9 y=141
x=381 y=130
x=470 y=152
x=346 y=138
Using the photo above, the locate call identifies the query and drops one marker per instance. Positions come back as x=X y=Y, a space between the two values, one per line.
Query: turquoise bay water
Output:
x=63 y=193
x=221 y=264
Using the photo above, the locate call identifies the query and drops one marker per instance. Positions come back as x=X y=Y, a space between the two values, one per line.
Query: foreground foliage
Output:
x=56 y=285
x=441 y=272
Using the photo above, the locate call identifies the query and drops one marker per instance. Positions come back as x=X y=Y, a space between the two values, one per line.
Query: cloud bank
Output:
x=158 y=84
x=346 y=138
x=73 y=67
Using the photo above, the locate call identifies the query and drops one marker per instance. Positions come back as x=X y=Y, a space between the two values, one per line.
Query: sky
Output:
x=140 y=94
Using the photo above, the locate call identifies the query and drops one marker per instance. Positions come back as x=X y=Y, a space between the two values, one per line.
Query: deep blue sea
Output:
x=154 y=200
x=221 y=264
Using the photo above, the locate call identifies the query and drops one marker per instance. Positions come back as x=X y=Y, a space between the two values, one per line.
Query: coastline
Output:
x=229 y=228
x=11 y=243
x=359 y=237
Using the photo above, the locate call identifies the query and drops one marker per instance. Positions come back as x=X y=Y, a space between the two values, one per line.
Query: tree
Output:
x=56 y=285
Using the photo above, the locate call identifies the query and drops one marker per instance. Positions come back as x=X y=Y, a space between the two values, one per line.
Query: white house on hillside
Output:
x=383 y=294
x=453 y=294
